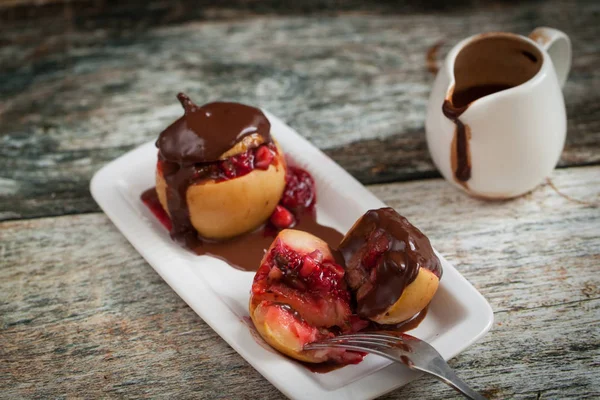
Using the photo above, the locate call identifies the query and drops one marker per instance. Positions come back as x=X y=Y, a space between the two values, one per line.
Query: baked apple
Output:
x=299 y=295
x=391 y=267
x=219 y=172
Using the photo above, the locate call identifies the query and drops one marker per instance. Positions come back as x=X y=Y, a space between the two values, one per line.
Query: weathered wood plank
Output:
x=83 y=315
x=356 y=85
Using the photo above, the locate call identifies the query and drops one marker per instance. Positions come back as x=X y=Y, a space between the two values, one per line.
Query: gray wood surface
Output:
x=355 y=84
x=81 y=82
x=83 y=315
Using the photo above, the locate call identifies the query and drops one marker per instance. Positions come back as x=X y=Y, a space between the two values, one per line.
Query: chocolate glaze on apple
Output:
x=402 y=327
x=383 y=253
x=204 y=133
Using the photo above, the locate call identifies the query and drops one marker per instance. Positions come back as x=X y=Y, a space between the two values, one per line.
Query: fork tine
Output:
x=392 y=341
x=363 y=349
x=359 y=342
x=377 y=335
x=373 y=335
x=383 y=345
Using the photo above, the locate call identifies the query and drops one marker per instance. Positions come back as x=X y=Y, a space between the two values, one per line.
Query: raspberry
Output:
x=282 y=218
x=263 y=159
x=299 y=193
x=242 y=163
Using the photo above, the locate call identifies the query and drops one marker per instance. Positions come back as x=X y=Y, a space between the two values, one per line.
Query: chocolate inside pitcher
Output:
x=488 y=64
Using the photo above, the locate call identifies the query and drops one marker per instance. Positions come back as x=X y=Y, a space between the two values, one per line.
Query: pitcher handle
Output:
x=558 y=46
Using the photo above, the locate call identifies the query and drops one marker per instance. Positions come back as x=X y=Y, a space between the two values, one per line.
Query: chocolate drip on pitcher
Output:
x=453 y=109
x=460 y=144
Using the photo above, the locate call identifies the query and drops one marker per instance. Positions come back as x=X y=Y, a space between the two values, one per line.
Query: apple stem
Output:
x=187 y=103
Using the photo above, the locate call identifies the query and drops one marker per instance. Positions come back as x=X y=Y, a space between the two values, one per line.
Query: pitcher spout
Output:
x=490 y=63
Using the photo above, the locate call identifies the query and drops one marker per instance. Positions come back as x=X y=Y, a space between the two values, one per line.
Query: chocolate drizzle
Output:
x=461 y=160
x=190 y=146
x=396 y=251
x=453 y=109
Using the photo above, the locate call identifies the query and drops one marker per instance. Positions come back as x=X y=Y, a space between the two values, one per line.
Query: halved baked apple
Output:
x=299 y=295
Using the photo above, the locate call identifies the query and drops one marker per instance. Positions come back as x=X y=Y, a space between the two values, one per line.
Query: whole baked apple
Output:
x=219 y=172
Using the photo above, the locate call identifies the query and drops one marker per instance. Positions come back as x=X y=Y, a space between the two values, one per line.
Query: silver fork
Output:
x=408 y=350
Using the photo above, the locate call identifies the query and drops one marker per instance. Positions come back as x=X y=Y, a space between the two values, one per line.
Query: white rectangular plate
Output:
x=219 y=294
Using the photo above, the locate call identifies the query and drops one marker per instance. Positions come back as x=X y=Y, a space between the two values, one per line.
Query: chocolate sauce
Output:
x=246 y=251
x=189 y=145
x=321 y=368
x=402 y=327
x=396 y=266
x=460 y=101
x=460 y=155
x=462 y=98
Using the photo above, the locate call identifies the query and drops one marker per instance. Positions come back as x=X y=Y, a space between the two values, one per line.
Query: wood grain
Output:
x=83 y=315
x=355 y=84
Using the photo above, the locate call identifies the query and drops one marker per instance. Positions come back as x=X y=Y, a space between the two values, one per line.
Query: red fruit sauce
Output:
x=233 y=167
x=299 y=193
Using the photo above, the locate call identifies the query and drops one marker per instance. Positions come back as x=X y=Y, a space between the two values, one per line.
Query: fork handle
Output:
x=442 y=371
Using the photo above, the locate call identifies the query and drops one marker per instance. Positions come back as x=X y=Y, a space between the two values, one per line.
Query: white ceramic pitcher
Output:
x=496 y=120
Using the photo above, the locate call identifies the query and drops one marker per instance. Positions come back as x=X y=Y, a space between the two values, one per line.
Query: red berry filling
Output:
x=311 y=288
x=308 y=273
x=233 y=167
x=263 y=157
x=311 y=285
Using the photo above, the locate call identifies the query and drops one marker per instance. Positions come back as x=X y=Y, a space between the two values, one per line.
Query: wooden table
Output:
x=83 y=315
